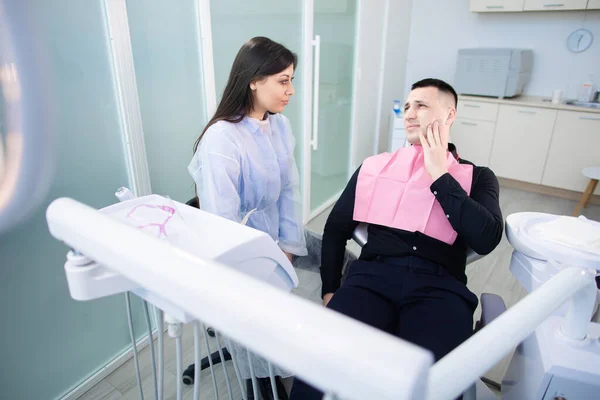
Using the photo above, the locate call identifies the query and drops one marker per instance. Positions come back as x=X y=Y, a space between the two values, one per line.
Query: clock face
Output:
x=579 y=40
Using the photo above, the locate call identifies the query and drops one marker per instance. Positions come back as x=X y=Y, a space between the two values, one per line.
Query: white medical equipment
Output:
x=199 y=233
x=548 y=365
x=495 y=72
x=285 y=329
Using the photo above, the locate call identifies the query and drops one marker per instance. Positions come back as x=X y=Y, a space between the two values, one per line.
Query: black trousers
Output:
x=409 y=297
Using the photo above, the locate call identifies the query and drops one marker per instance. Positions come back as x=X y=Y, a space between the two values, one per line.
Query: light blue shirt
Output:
x=250 y=167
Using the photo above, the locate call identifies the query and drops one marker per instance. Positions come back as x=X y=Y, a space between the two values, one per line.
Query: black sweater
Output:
x=476 y=218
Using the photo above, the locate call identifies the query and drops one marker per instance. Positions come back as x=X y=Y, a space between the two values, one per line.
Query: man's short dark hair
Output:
x=439 y=84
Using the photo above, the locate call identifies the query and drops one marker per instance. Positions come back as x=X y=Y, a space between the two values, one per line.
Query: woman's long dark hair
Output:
x=258 y=58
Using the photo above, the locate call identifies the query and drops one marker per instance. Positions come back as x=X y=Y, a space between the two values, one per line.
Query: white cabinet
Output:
x=473 y=140
x=575 y=145
x=473 y=130
x=593 y=5
x=496 y=5
x=528 y=140
x=549 y=5
x=481 y=6
x=477 y=110
x=521 y=142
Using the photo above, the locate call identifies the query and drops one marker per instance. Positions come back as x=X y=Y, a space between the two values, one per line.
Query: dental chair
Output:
x=492 y=305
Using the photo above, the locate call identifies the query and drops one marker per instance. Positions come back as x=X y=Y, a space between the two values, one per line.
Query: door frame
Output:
x=309 y=67
x=307 y=106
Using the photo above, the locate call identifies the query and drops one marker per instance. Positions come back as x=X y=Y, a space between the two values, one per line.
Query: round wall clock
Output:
x=580 y=40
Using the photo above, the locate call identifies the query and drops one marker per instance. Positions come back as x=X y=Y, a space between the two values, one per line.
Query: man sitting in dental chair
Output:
x=425 y=207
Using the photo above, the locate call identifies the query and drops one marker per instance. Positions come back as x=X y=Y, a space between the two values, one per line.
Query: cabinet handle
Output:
x=590 y=118
x=527 y=112
x=494 y=7
x=554 y=5
x=471 y=105
x=469 y=123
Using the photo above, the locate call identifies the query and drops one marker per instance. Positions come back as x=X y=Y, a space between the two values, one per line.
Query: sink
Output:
x=587 y=104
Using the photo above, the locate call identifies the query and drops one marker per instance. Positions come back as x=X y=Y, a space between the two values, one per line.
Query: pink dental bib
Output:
x=393 y=190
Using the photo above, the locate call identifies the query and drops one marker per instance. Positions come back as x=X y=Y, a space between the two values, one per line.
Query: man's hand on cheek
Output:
x=435 y=146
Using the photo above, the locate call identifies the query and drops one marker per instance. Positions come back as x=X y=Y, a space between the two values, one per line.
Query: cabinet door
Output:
x=496 y=5
x=593 y=5
x=521 y=142
x=477 y=110
x=473 y=140
x=575 y=145
x=549 y=5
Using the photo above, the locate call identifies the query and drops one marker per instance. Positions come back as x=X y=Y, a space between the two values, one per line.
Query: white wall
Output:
x=374 y=96
x=396 y=53
x=440 y=28
x=368 y=61
x=369 y=36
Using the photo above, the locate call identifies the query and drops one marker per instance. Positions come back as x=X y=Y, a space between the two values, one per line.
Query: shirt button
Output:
x=435 y=192
x=414 y=247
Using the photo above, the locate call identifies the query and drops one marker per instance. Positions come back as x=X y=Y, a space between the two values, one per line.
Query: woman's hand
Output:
x=327 y=298
x=289 y=256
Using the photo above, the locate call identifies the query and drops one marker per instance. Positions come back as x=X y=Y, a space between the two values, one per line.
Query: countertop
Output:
x=531 y=101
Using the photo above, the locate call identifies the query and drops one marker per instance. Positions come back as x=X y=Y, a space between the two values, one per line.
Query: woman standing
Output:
x=244 y=163
x=244 y=166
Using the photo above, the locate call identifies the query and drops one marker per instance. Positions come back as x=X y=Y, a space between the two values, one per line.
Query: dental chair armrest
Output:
x=492 y=306
x=472 y=256
x=360 y=234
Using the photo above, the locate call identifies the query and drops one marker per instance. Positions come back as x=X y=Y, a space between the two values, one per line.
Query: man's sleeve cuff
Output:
x=444 y=185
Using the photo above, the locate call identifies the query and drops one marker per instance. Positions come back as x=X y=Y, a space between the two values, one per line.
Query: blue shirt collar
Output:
x=253 y=125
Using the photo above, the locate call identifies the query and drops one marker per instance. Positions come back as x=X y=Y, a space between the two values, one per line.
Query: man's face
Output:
x=424 y=106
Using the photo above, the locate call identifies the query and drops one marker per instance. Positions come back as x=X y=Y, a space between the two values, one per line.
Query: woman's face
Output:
x=273 y=93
